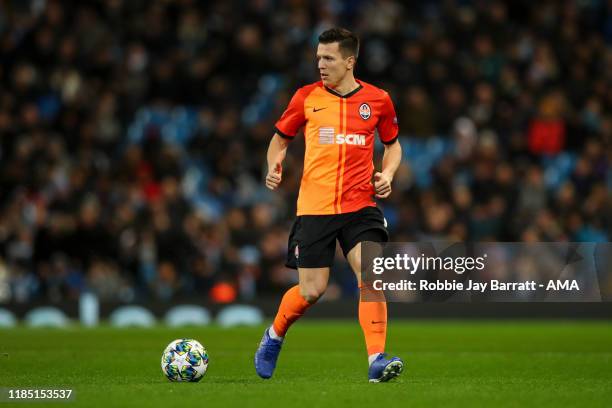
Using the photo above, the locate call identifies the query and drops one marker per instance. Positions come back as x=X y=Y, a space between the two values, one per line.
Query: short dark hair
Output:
x=347 y=41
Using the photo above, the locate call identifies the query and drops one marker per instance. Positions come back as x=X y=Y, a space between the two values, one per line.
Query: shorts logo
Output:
x=364 y=111
x=297 y=252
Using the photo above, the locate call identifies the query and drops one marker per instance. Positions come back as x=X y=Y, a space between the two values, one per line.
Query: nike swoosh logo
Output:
x=379 y=322
x=320 y=109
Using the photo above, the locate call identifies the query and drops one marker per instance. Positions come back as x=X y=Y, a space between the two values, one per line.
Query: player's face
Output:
x=333 y=66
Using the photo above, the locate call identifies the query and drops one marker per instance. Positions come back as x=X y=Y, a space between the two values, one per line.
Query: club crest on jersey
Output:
x=364 y=111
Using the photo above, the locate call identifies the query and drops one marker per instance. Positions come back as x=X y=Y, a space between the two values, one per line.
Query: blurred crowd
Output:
x=133 y=135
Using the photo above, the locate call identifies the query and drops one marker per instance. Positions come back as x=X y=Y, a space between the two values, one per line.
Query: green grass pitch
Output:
x=323 y=363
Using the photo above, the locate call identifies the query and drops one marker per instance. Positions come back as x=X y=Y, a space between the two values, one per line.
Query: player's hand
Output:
x=382 y=185
x=274 y=177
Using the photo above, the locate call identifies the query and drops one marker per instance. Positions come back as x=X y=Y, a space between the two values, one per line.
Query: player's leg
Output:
x=369 y=225
x=312 y=285
x=372 y=307
x=295 y=302
x=373 y=320
x=311 y=251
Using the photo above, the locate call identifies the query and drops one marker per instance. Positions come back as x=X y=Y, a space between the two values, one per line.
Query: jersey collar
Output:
x=348 y=95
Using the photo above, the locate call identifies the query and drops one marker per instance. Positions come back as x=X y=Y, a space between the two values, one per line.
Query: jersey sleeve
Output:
x=293 y=118
x=388 y=128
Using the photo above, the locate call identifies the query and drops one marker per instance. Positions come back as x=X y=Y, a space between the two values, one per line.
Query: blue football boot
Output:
x=266 y=355
x=383 y=369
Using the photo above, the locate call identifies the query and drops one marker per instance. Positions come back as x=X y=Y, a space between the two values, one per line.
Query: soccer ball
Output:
x=184 y=360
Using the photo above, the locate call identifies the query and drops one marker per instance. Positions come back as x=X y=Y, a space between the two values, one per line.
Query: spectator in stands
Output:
x=133 y=134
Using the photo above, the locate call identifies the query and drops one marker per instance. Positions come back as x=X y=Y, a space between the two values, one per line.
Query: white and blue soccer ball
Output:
x=184 y=360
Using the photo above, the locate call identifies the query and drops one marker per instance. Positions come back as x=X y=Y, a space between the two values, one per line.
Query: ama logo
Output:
x=364 y=111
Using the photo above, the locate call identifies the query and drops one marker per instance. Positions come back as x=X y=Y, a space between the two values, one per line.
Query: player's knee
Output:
x=312 y=293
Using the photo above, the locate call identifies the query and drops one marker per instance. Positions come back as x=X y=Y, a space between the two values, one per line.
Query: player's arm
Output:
x=285 y=130
x=388 y=131
x=391 y=161
x=277 y=150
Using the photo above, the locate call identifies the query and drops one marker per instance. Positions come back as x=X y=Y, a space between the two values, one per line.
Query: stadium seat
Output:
x=7 y=319
x=47 y=316
x=240 y=315
x=132 y=316
x=187 y=315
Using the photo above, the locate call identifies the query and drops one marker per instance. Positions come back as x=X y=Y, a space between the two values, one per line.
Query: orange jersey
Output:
x=339 y=137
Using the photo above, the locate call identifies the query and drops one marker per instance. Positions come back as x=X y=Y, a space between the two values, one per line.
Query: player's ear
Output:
x=350 y=62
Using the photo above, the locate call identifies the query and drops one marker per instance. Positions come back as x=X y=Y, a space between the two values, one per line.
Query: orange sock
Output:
x=373 y=321
x=292 y=307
